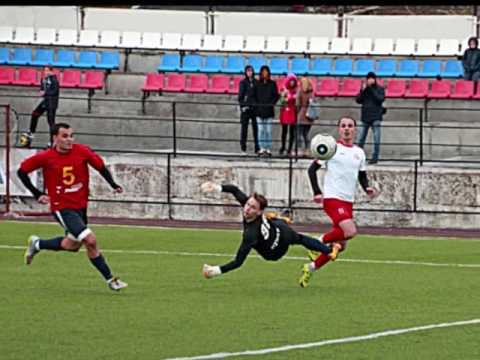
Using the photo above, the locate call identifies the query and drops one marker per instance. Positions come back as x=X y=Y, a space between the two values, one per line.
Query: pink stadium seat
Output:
x=440 y=89
x=198 y=83
x=71 y=79
x=93 y=80
x=175 y=83
x=7 y=75
x=153 y=82
x=418 y=89
x=350 y=87
x=26 y=77
x=236 y=84
x=327 y=87
x=463 y=89
x=220 y=84
x=395 y=88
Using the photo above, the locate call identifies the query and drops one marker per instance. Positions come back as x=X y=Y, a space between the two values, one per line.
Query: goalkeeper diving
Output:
x=268 y=234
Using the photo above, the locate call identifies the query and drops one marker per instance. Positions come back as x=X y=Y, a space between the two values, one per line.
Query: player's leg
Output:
x=36 y=113
x=313 y=244
x=51 y=122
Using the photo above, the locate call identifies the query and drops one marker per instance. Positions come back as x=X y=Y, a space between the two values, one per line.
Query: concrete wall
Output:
x=59 y=17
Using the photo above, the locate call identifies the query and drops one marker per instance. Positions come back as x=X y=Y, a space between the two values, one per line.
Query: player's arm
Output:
x=312 y=175
x=98 y=164
x=363 y=180
x=210 y=186
x=27 y=182
x=242 y=253
x=26 y=167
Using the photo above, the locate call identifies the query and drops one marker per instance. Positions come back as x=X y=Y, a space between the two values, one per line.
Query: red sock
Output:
x=321 y=260
x=336 y=234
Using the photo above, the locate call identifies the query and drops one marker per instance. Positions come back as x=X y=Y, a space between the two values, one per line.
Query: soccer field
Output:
x=60 y=308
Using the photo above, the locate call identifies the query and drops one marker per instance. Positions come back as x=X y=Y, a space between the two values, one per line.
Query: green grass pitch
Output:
x=59 y=307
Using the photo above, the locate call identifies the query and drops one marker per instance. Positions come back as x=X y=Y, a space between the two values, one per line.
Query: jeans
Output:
x=244 y=119
x=265 y=133
x=362 y=136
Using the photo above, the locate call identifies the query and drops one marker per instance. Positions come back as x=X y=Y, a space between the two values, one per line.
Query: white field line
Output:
x=302 y=258
x=316 y=344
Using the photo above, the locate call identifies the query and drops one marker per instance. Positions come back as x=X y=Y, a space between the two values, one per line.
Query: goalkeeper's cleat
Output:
x=116 y=284
x=336 y=247
x=312 y=255
x=305 y=278
x=31 y=251
x=26 y=139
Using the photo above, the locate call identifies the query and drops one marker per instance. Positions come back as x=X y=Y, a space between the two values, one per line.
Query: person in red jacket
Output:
x=288 y=113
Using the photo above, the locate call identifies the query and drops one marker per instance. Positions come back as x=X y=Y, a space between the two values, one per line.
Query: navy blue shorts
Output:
x=74 y=222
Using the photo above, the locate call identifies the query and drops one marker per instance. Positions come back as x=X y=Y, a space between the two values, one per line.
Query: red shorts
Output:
x=338 y=210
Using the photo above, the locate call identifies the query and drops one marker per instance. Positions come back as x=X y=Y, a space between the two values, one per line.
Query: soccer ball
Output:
x=25 y=140
x=323 y=146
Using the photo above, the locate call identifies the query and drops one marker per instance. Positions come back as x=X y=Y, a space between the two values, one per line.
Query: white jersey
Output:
x=341 y=176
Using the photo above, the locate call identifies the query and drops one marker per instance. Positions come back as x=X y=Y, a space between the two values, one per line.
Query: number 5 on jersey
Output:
x=68 y=176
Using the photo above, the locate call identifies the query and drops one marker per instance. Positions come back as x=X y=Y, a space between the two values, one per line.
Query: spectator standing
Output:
x=288 y=113
x=246 y=100
x=304 y=97
x=471 y=60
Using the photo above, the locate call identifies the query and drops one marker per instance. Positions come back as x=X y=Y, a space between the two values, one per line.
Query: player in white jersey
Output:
x=343 y=171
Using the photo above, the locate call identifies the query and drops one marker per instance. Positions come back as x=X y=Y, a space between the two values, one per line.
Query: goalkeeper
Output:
x=269 y=235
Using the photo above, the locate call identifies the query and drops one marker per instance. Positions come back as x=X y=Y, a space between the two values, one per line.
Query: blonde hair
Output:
x=306 y=84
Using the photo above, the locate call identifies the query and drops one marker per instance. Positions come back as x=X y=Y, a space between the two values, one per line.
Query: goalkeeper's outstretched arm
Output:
x=210 y=186
x=242 y=253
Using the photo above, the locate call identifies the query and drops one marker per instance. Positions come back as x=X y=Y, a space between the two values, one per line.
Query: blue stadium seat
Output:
x=235 y=65
x=21 y=56
x=109 y=60
x=86 y=59
x=453 y=69
x=431 y=68
x=300 y=66
x=4 y=55
x=343 y=67
x=321 y=66
x=257 y=62
x=363 y=67
x=43 y=57
x=386 y=67
x=191 y=63
x=170 y=62
x=408 y=68
x=279 y=65
x=65 y=58
x=213 y=64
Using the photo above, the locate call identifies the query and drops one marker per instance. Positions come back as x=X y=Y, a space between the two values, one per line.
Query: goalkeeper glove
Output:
x=211 y=271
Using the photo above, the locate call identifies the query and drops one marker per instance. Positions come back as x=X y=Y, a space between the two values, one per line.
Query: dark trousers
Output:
x=38 y=111
x=291 y=138
x=244 y=119
x=303 y=130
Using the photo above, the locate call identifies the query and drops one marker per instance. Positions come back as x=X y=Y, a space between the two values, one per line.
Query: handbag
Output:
x=312 y=110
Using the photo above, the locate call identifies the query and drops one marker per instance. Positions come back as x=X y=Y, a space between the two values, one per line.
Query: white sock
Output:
x=311 y=266
x=36 y=245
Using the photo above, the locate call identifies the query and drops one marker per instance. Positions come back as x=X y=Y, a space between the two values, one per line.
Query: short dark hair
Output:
x=262 y=200
x=346 y=117
x=59 y=126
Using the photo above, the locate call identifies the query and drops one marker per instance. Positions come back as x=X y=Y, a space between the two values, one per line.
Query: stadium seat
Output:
x=131 y=39
x=386 y=67
x=191 y=63
x=453 y=69
x=418 y=88
x=476 y=96
x=463 y=89
x=321 y=66
x=4 y=56
x=170 y=62
x=276 y=44
x=404 y=47
x=213 y=64
x=7 y=75
x=45 y=36
x=26 y=77
x=151 y=40
x=361 y=46
x=343 y=67
x=65 y=58
x=233 y=43
x=153 y=82
x=235 y=65
x=257 y=62
x=71 y=78
x=109 y=60
x=426 y=47
x=363 y=67
x=86 y=59
x=21 y=56
x=93 y=80
x=191 y=42
x=109 y=38
x=300 y=66
x=212 y=42
x=382 y=46
x=296 y=44
x=254 y=43
x=440 y=89
x=431 y=68
x=174 y=83
x=66 y=37
x=198 y=83
x=24 y=35
x=408 y=68
x=395 y=88
x=448 y=47
x=235 y=84
x=220 y=84
x=171 y=41
x=6 y=34
x=88 y=38
x=318 y=45
x=350 y=87
x=340 y=46
x=278 y=65
x=327 y=87
x=43 y=57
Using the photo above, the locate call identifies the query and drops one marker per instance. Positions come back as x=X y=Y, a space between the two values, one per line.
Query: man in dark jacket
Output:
x=50 y=91
x=471 y=60
x=266 y=96
x=371 y=97
x=246 y=100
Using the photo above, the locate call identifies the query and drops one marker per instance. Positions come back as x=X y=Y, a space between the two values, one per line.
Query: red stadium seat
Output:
x=93 y=80
x=350 y=87
x=175 y=83
x=7 y=76
x=327 y=87
x=153 y=82
x=463 y=89
x=71 y=79
x=198 y=83
x=236 y=84
x=27 y=77
x=220 y=84
x=395 y=88
x=418 y=89
x=440 y=89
